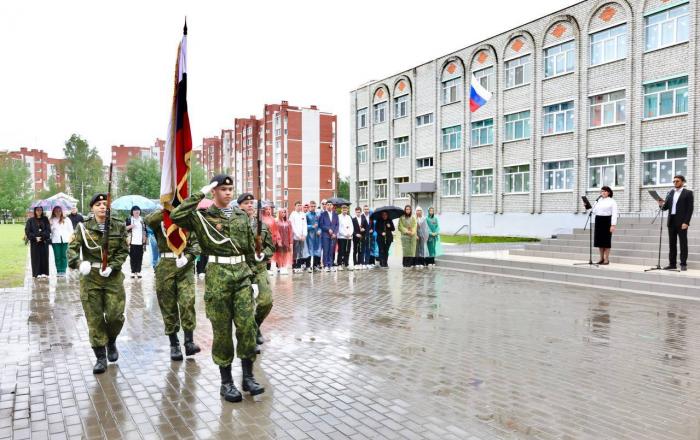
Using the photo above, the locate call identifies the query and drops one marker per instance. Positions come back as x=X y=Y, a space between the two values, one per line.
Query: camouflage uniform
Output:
x=174 y=286
x=260 y=277
x=103 y=298
x=228 y=295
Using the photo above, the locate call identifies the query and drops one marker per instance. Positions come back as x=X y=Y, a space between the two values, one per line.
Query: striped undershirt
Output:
x=227 y=211
x=101 y=227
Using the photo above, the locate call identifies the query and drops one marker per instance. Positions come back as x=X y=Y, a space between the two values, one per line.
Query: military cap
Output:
x=244 y=197
x=98 y=198
x=222 y=179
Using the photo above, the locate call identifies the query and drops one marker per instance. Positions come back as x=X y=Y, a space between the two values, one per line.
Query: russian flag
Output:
x=478 y=95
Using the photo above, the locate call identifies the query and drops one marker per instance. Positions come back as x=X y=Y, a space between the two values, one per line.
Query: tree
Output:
x=52 y=188
x=83 y=169
x=198 y=178
x=142 y=176
x=15 y=186
x=343 y=187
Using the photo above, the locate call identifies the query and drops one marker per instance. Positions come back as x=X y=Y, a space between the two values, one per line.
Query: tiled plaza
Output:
x=419 y=354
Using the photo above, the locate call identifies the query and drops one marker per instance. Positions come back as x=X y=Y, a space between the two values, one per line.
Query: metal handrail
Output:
x=460 y=228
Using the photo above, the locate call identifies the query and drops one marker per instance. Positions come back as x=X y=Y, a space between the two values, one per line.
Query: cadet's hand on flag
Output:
x=181 y=261
x=107 y=272
x=84 y=267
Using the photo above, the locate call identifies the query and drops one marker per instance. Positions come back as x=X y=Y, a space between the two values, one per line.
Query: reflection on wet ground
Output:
x=374 y=354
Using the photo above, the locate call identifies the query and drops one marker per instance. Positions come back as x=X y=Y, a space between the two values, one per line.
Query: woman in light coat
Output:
x=61 y=233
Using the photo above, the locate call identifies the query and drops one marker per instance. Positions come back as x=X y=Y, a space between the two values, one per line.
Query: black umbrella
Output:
x=338 y=201
x=393 y=211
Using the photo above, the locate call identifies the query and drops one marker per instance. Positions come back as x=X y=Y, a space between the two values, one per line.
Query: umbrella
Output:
x=125 y=203
x=65 y=196
x=393 y=211
x=338 y=201
x=205 y=204
x=48 y=205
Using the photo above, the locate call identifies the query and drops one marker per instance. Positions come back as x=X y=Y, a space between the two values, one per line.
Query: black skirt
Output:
x=602 y=236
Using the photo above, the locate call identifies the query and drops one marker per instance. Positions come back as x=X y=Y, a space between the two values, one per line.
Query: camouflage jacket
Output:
x=154 y=221
x=217 y=234
x=88 y=239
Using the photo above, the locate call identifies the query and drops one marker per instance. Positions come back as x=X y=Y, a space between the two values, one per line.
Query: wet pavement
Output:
x=419 y=354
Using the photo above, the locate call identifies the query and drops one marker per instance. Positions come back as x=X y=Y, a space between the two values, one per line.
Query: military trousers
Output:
x=263 y=304
x=228 y=299
x=175 y=292
x=103 y=302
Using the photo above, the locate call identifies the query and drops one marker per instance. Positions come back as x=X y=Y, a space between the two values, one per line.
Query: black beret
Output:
x=245 y=196
x=222 y=179
x=98 y=198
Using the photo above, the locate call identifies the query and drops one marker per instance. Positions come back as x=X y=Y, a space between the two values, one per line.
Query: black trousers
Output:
x=202 y=264
x=40 y=258
x=429 y=260
x=409 y=261
x=383 y=251
x=344 y=251
x=675 y=231
x=136 y=257
x=358 y=252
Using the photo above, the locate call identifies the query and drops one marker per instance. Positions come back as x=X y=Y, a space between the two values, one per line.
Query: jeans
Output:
x=328 y=245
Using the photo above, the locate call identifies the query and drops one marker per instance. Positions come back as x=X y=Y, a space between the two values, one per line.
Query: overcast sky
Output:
x=105 y=72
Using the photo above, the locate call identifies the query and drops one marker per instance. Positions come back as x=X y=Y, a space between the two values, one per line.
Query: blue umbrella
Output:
x=125 y=203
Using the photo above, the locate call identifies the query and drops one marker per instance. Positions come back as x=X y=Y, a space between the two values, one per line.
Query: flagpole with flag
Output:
x=178 y=149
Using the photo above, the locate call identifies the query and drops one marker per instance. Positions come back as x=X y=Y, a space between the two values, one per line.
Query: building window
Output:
x=558 y=176
x=380 y=189
x=249 y=141
x=609 y=45
x=424 y=162
x=559 y=118
x=380 y=112
x=425 y=119
x=517 y=126
x=668 y=97
x=661 y=166
x=401 y=148
x=379 y=151
x=666 y=28
x=607 y=109
x=517 y=179
x=398 y=194
x=482 y=133
x=485 y=78
x=518 y=71
x=362 y=190
x=249 y=131
x=401 y=107
x=559 y=59
x=451 y=184
x=482 y=181
x=451 y=138
x=362 y=154
x=609 y=170
x=451 y=90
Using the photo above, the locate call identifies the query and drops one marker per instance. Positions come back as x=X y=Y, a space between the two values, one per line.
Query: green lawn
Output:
x=479 y=239
x=13 y=256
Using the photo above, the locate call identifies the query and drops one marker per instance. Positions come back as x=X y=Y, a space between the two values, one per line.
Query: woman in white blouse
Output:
x=61 y=233
x=605 y=211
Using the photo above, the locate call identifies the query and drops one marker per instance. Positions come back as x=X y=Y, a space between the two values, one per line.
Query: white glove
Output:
x=256 y=291
x=85 y=267
x=206 y=189
x=260 y=257
x=181 y=261
x=107 y=272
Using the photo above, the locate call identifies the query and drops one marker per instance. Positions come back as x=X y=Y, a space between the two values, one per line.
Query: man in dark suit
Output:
x=328 y=224
x=679 y=202
x=360 y=227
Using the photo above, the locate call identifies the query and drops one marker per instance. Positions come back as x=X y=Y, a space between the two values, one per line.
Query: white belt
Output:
x=96 y=265
x=226 y=260
x=168 y=255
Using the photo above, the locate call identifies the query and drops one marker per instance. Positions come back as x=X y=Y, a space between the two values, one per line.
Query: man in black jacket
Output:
x=679 y=202
x=75 y=217
x=359 y=226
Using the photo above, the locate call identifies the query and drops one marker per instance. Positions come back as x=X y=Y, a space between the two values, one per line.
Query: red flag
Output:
x=178 y=149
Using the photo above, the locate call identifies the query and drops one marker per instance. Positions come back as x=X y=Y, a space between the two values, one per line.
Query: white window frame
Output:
x=401 y=147
x=510 y=176
x=516 y=118
x=661 y=22
x=561 y=55
x=451 y=184
x=401 y=106
x=432 y=160
x=362 y=151
x=451 y=90
x=380 y=112
x=611 y=103
x=675 y=163
x=425 y=119
x=397 y=181
x=362 y=190
x=610 y=43
x=451 y=138
x=362 y=118
x=380 y=189
x=485 y=77
x=524 y=63
x=563 y=173
x=554 y=113
x=478 y=130
x=609 y=172
x=675 y=91
x=377 y=147
x=482 y=182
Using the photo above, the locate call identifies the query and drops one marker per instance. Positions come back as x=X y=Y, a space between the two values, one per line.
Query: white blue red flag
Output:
x=478 y=95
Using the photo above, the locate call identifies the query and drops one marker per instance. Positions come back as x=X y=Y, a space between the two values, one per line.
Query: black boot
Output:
x=101 y=364
x=228 y=389
x=190 y=347
x=175 y=353
x=259 y=338
x=249 y=383
x=112 y=352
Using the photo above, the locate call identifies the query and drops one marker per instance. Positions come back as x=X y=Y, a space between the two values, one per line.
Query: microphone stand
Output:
x=590 y=237
x=660 y=212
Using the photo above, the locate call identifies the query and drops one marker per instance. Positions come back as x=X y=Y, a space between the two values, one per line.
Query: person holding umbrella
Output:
x=385 y=236
x=136 y=228
x=61 y=233
x=407 y=228
x=38 y=232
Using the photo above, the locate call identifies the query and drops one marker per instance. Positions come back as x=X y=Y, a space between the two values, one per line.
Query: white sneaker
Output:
x=351 y=267
x=284 y=271
x=309 y=270
x=326 y=269
x=201 y=276
x=340 y=268
x=333 y=269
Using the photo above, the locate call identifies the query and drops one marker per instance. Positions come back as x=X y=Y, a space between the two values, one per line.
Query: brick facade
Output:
x=41 y=167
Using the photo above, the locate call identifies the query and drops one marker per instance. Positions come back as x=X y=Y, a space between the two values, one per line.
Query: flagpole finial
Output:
x=184 y=30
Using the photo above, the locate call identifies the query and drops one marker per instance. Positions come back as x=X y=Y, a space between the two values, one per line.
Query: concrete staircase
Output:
x=635 y=248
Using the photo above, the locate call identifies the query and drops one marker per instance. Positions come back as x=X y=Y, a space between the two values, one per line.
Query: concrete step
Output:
x=617 y=251
x=692 y=240
x=692 y=233
x=649 y=244
x=614 y=258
